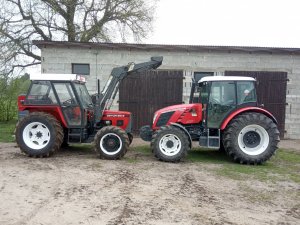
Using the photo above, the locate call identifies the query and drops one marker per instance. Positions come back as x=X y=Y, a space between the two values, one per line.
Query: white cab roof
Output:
x=225 y=78
x=56 y=76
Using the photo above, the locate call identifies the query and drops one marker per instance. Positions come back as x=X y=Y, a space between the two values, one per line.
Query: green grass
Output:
x=284 y=166
x=198 y=155
x=7 y=131
x=145 y=150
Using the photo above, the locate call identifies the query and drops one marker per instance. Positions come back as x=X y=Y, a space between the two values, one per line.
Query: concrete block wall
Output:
x=59 y=60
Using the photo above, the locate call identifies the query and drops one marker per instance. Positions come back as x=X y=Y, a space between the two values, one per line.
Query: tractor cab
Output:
x=221 y=95
x=64 y=93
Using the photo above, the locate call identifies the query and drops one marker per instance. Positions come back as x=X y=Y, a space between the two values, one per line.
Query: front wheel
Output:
x=169 y=144
x=251 y=138
x=111 y=143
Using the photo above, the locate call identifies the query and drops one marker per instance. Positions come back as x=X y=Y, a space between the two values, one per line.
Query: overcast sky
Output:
x=270 y=23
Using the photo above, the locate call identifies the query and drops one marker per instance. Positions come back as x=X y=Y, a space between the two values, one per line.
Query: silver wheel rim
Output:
x=257 y=131
x=110 y=136
x=36 y=135
x=170 y=144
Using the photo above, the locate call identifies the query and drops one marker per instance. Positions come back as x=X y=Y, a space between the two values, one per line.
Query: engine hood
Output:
x=181 y=107
x=182 y=114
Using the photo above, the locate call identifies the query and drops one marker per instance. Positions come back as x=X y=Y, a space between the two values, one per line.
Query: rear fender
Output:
x=185 y=131
x=247 y=109
x=53 y=110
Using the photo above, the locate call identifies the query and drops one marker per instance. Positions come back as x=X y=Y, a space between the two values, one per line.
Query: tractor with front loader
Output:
x=223 y=114
x=58 y=110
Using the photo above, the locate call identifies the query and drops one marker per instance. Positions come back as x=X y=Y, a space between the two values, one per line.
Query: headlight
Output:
x=154 y=118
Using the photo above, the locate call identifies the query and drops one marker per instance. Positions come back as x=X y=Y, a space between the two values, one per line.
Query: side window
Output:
x=79 y=68
x=215 y=94
x=222 y=93
x=246 y=92
x=65 y=94
x=68 y=103
x=41 y=93
x=222 y=101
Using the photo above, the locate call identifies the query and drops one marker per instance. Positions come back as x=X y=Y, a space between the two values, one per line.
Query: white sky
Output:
x=269 y=23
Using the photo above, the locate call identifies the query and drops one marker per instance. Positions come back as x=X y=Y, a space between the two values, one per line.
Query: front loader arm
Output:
x=105 y=99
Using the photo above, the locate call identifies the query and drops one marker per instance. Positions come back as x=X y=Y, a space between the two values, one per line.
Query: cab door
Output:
x=222 y=100
x=69 y=104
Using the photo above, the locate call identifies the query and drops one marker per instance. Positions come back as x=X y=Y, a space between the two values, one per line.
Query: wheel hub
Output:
x=36 y=135
x=39 y=134
x=170 y=144
x=251 y=139
x=111 y=143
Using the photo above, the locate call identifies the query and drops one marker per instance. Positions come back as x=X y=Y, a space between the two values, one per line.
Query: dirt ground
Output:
x=75 y=187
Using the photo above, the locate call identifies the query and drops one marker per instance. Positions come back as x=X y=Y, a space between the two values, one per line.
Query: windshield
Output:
x=84 y=96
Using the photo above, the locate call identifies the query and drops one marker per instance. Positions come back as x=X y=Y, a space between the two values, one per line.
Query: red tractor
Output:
x=58 y=110
x=223 y=114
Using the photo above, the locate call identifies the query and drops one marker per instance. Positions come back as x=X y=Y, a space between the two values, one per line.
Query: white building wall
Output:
x=59 y=60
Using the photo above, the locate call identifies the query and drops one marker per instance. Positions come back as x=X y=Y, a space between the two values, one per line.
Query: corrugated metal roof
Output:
x=171 y=48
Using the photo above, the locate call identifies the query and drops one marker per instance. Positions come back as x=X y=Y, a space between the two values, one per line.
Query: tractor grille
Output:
x=164 y=118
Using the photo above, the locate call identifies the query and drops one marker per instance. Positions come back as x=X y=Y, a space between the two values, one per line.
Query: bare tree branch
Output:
x=71 y=20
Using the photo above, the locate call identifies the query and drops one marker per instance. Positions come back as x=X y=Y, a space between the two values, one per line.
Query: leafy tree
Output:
x=67 y=20
x=9 y=91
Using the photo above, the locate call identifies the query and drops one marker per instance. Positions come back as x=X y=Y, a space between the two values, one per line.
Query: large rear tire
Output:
x=251 y=138
x=39 y=134
x=169 y=144
x=111 y=143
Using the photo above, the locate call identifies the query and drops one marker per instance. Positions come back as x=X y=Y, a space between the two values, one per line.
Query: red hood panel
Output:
x=180 y=107
x=112 y=113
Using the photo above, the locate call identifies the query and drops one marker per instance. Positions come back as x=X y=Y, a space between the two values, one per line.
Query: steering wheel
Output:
x=214 y=101
x=68 y=102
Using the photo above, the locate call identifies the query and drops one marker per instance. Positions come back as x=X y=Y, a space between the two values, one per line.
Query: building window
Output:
x=82 y=69
x=199 y=75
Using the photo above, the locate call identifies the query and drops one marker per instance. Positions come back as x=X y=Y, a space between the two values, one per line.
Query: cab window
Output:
x=245 y=92
x=222 y=101
x=65 y=94
x=84 y=96
x=223 y=93
x=41 y=92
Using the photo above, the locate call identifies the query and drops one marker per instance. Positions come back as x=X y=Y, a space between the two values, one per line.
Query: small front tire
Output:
x=111 y=143
x=169 y=144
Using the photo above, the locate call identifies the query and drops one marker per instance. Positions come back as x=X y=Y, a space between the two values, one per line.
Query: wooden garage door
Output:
x=271 y=92
x=144 y=93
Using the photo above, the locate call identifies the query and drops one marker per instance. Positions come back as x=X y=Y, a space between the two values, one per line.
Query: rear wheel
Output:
x=251 y=138
x=39 y=134
x=111 y=143
x=169 y=144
